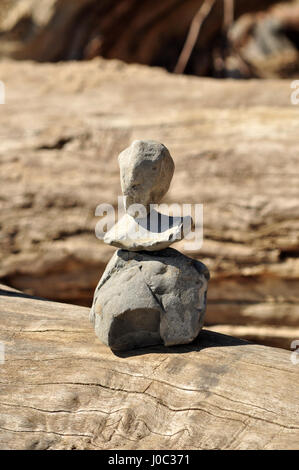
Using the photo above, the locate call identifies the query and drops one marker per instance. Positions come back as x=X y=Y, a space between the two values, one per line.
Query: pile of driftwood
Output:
x=221 y=38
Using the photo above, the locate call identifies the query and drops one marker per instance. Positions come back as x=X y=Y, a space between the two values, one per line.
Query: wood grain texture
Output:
x=62 y=389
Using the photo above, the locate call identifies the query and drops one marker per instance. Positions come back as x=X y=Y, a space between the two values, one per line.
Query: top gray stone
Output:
x=146 y=170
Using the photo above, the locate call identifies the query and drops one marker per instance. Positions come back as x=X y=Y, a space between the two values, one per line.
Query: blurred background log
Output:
x=235 y=146
x=62 y=389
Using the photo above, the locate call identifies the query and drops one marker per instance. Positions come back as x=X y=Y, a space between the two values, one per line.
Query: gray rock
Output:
x=152 y=233
x=150 y=298
x=146 y=170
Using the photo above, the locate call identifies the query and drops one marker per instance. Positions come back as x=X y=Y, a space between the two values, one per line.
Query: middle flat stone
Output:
x=154 y=232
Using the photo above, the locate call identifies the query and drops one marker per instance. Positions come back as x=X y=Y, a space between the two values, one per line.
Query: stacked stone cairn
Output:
x=149 y=293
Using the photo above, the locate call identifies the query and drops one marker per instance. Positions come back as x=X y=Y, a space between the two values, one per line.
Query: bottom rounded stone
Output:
x=147 y=298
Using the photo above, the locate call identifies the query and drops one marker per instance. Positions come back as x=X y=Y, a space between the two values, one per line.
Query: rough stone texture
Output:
x=135 y=234
x=146 y=170
x=62 y=389
x=235 y=147
x=144 y=299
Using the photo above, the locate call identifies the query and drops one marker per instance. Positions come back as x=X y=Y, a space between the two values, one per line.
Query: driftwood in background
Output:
x=192 y=37
x=62 y=389
x=235 y=147
x=149 y=32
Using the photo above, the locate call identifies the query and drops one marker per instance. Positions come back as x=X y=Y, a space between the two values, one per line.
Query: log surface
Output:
x=62 y=389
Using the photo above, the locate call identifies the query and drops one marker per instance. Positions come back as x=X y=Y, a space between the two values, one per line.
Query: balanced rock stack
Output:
x=149 y=293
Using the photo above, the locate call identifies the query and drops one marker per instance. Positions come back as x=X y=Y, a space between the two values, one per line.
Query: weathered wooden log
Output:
x=62 y=389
